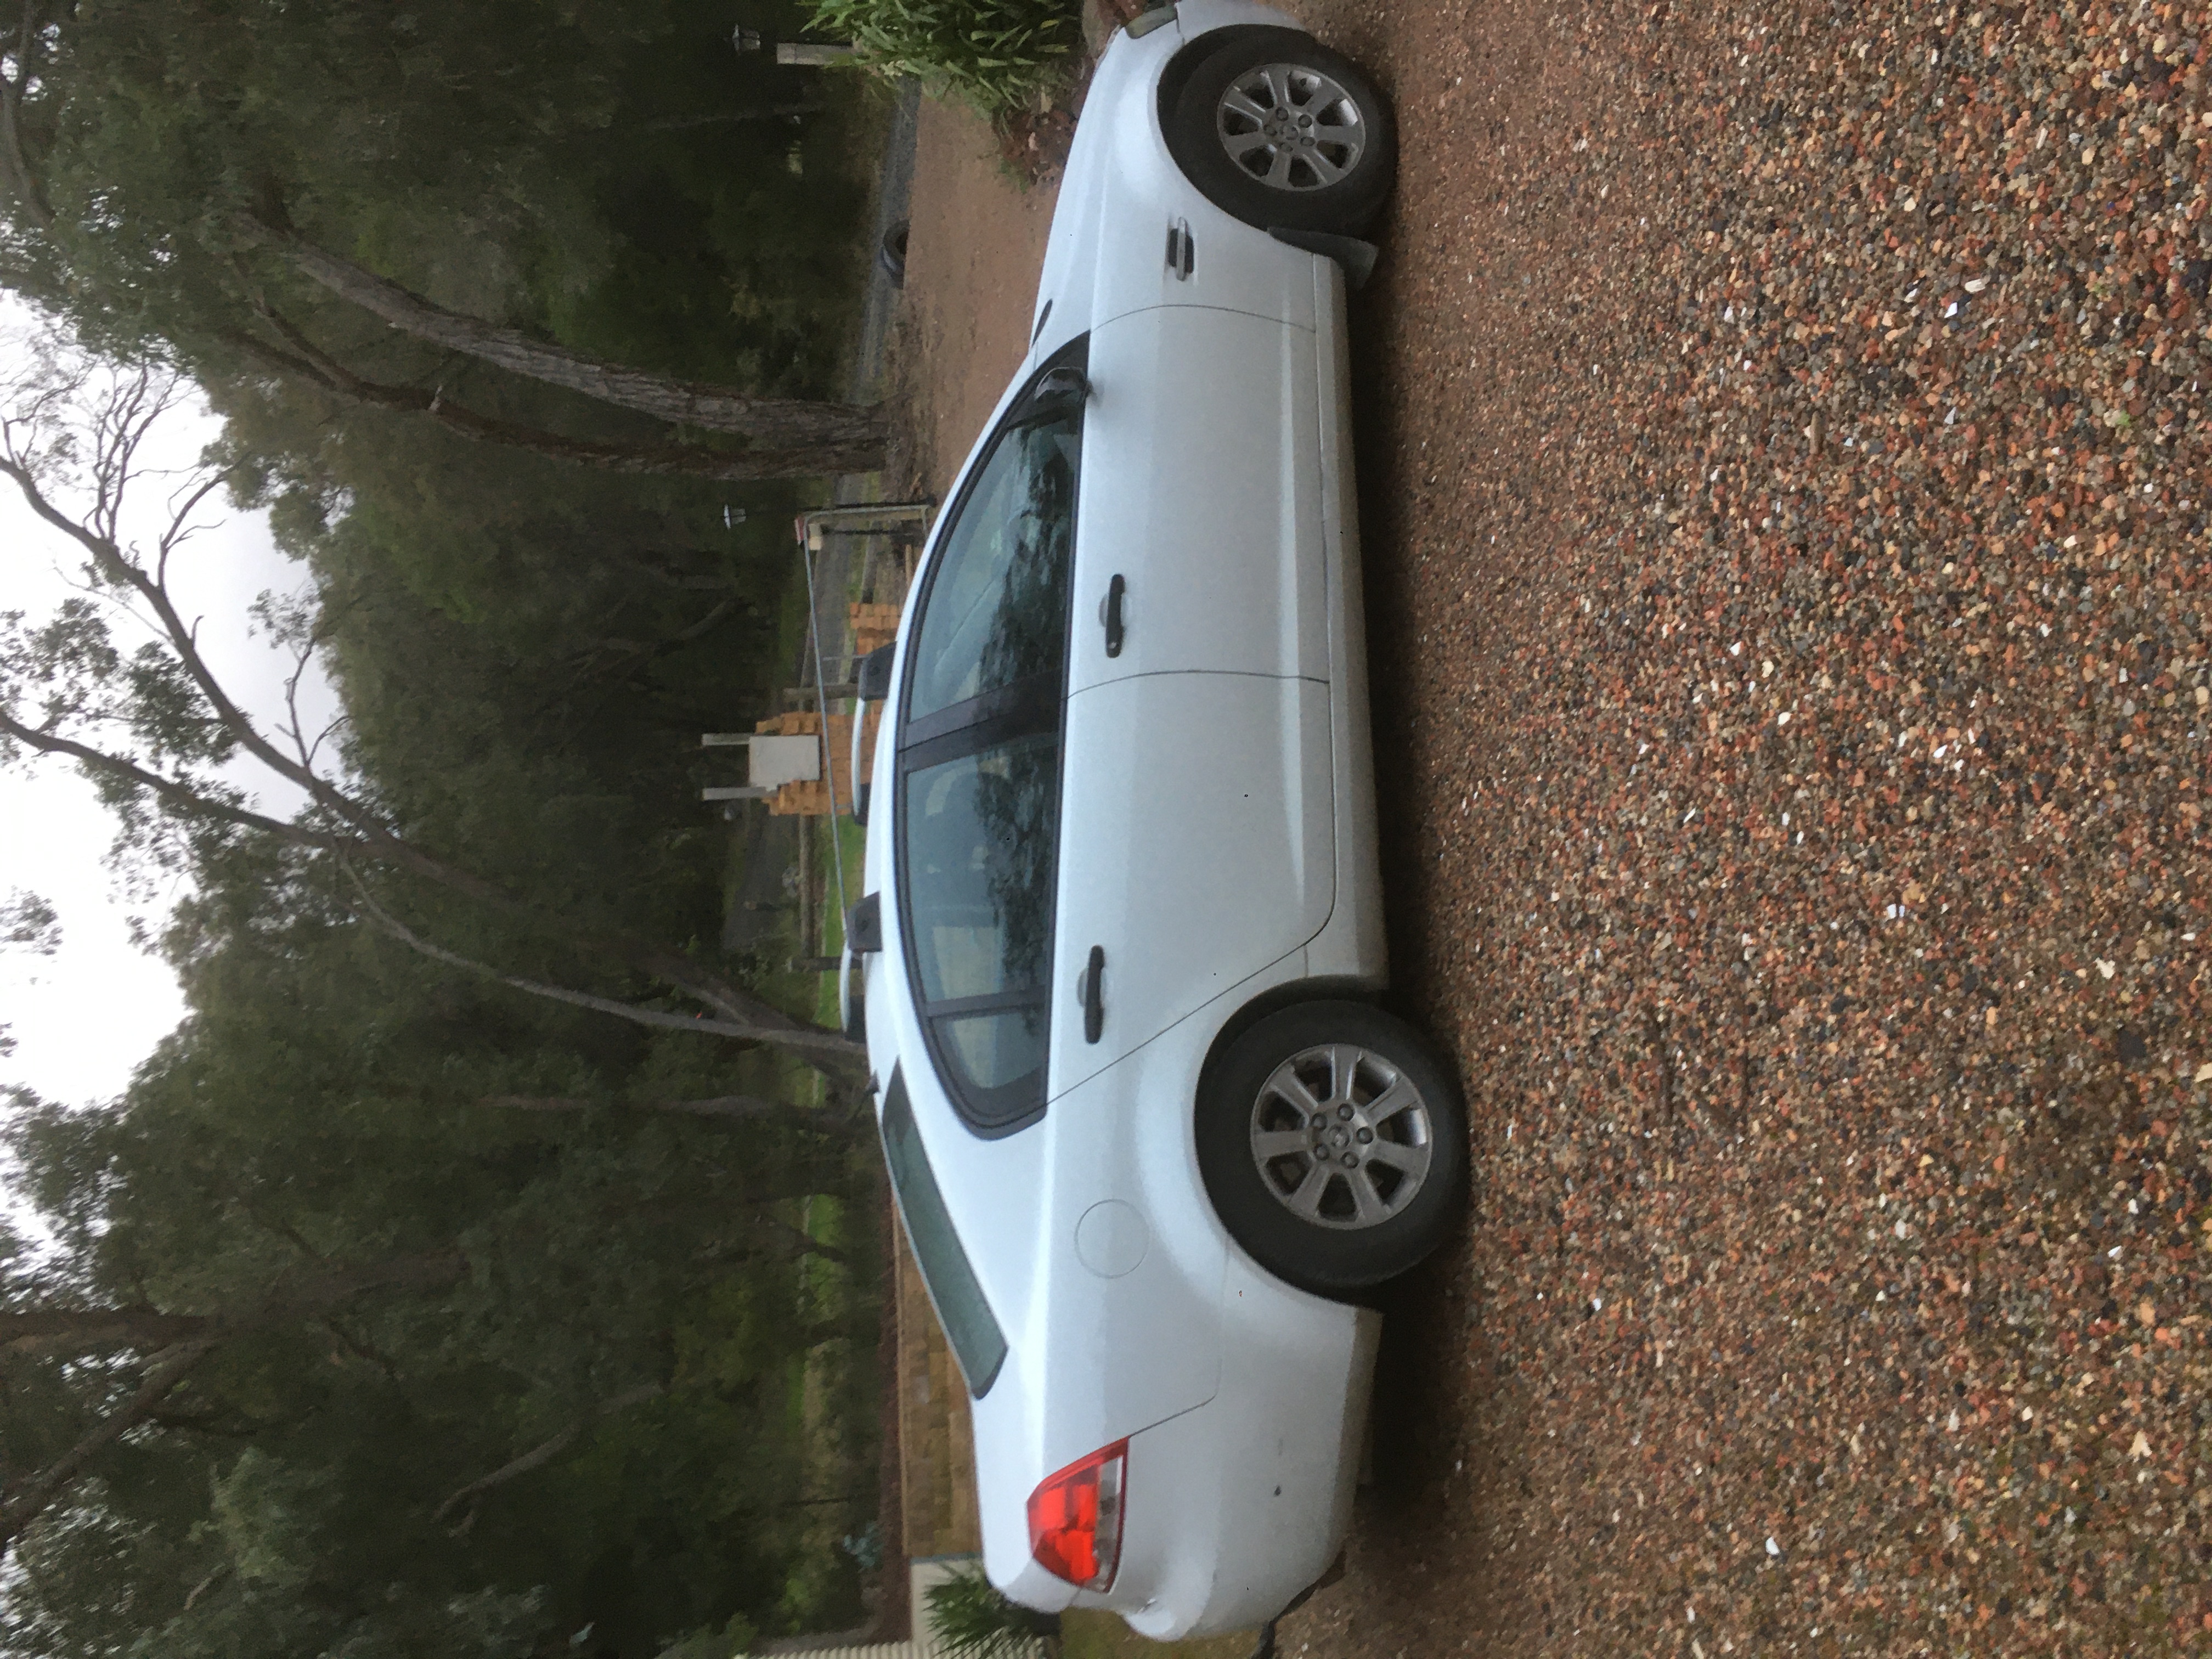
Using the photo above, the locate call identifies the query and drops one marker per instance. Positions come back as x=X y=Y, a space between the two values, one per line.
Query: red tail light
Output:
x=1075 y=1519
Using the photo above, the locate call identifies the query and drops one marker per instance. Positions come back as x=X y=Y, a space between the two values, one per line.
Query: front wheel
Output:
x=1278 y=130
x=1333 y=1145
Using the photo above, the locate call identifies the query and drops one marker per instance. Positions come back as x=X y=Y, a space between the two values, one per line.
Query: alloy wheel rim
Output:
x=1341 y=1138
x=1291 y=127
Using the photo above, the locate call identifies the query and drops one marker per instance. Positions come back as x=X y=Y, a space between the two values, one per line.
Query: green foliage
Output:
x=644 y=1409
x=972 y=1621
x=28 y=922
x=326 y=1104
x=607 y=173
x=998 y=55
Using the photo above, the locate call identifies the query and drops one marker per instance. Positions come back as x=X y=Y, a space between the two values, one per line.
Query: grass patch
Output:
x=998 y=56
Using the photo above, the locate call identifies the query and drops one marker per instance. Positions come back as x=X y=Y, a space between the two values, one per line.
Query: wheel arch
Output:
x=1321 y=990
x=1193 y=52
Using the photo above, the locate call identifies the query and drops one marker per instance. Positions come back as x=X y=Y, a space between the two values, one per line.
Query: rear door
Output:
x=1197 y=849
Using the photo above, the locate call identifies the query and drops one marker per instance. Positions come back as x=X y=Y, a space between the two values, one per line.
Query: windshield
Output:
x=977 y=1342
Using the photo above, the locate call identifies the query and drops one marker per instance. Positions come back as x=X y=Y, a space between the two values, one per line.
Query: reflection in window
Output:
x=979 y=834
x=997 y=610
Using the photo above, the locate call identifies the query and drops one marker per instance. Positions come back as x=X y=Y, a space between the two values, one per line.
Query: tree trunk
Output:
x=854 y=434
x=541 y=1455
x=75 y=1331
x=651 y=461
x=26 y=64
x=747 y=1108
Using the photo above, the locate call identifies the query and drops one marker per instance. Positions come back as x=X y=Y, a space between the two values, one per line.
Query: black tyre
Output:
x=1333 y=1145
x=1278 y=130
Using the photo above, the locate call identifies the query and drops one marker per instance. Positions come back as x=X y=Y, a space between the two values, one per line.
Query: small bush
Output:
x=973 y=1621
x=998 y=55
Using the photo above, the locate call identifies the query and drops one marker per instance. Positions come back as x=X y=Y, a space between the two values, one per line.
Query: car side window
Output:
x=997 y=603
x=981 y=835
x=979 y=770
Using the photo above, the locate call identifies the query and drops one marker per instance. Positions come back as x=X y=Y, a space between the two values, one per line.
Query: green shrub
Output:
x=973 y=1621
x=999 y=55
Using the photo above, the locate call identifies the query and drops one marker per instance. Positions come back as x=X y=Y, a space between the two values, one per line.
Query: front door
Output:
x=1201 y=453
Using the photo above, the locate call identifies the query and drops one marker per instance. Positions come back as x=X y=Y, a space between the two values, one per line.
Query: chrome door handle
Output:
x=1094 y=996
x=1110 y=613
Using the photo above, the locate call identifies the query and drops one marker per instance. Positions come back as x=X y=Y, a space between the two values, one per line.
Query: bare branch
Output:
x=812 y=1041
x=538 y=1457
x=176 y=791
x=116 y=565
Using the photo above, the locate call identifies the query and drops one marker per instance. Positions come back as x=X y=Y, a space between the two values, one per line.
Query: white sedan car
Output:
x=1150 y=1136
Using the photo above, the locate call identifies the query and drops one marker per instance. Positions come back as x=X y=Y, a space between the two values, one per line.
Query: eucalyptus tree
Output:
x=227 y=179
x=380 y=1292
x=153 y=728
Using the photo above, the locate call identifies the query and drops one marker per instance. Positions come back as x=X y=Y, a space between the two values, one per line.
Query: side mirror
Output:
x=873 y=673
x=864 y=925
x=872 y=678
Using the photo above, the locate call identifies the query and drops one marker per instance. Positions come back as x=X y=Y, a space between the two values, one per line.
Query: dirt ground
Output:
x=973 y=254
x=1783 y=468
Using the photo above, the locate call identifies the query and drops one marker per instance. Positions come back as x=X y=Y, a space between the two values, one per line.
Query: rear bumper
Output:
x=1237 y=1507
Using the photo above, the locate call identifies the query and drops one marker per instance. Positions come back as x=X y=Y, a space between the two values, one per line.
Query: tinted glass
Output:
x=994 y=1051
x=980 y=832
x=997 y=610
x=969 y=1327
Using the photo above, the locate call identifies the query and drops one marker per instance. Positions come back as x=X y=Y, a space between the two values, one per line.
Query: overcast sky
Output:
x=84 y=1018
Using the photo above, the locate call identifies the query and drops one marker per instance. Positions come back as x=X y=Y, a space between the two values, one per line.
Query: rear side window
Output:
x=981 y=836
x=970 y=1325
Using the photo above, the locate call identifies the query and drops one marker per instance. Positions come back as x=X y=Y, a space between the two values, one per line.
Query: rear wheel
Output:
x=1278 y=130
x=1333 y=1145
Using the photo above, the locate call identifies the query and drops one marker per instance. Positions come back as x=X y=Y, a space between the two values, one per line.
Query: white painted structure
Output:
x=771 y=760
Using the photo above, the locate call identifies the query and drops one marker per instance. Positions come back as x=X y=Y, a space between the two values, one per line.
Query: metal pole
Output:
x=822 y=707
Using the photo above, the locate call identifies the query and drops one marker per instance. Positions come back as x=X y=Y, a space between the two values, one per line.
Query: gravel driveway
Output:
x=1783 y=475
x=1782 y=471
